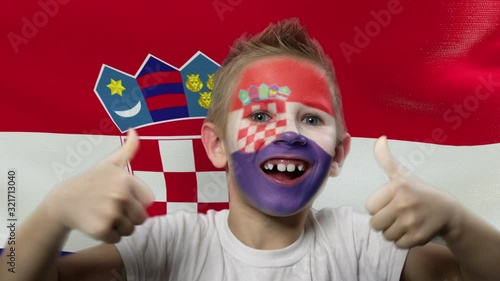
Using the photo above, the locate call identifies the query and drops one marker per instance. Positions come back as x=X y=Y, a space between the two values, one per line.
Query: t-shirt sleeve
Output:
x=144 y=253
x=376 y=255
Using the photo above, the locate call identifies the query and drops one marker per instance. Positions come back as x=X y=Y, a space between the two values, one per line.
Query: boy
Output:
x=276 y=124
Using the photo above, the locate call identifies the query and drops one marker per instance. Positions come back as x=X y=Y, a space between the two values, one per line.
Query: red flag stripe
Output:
x=165 y=101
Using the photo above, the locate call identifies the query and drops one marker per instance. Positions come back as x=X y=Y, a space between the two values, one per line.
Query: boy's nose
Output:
x=290 y=138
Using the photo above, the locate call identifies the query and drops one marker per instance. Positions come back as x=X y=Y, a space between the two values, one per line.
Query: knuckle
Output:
x=403 y=180
x=388 y=235
x=405 y=242
x=420 y=238
x=113 y=213
x=118 y=197
x=411 y=220
x=136 y=213
x=128 y=231
x=370 y=209
x=101 y=230
x=124 y=179
x=401 y=244
x=394 y=186
x=121 y=178
x=137 y=219
x=406 y=201
x=141 y=218
x=375 y=223
x=111 y=238
x=114 y=239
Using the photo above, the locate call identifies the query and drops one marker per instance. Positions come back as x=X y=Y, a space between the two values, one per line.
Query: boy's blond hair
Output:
x=285 y=38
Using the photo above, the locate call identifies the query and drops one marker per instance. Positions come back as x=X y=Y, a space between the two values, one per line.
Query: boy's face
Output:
x=281 y=134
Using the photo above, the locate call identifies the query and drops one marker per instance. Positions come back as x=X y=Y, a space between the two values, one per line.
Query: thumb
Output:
x=127 y=152
x=385 y=159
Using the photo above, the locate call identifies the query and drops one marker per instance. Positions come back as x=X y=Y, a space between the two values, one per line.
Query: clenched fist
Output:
x=106 y=202
x=408 y=211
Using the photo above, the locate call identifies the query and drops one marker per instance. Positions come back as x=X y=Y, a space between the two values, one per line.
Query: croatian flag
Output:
x=78 y=75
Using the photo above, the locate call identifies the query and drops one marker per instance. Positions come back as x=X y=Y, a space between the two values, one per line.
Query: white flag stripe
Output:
x=155 y=182
x=43 y=160
x=470 y=173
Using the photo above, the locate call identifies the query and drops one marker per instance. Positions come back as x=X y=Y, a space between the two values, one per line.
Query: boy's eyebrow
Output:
x=328 y=108
x=263 y=105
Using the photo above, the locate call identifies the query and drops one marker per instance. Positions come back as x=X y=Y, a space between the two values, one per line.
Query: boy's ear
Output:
x=341 y=152
x=214 y=146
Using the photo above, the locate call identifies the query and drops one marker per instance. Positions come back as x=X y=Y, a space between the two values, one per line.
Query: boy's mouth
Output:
x=285 y=171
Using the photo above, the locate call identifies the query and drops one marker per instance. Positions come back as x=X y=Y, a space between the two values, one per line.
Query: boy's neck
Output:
x=261 y=231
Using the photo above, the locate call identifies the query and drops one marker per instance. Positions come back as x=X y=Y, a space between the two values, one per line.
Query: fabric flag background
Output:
x=425 y=73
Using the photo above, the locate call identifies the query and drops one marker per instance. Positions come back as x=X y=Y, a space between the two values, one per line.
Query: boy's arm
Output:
x=411 y=213
x=38 y=243
x=105 y=203
x=35 y=249
x=100 y=263
x=472 y=253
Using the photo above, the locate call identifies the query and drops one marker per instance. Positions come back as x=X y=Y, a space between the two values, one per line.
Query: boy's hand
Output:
x=105 y=202
x=408 y=211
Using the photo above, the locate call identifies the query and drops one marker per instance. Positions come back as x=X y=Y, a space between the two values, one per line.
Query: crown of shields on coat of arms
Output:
x=159 y=92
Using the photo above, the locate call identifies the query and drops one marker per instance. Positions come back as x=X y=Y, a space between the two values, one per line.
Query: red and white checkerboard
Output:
x=253 y=135
x=180 y=175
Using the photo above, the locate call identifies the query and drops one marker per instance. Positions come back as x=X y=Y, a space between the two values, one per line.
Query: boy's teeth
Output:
x=281 y=167
x=284 y=166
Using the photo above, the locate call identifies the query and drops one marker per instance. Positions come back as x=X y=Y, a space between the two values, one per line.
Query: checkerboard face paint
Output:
x=281 y=133
x=253 y=135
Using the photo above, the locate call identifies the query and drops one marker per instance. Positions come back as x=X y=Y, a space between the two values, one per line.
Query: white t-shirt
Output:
x=336 y=244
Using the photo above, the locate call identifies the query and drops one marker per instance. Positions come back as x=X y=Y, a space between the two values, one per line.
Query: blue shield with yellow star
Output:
x=122 y=98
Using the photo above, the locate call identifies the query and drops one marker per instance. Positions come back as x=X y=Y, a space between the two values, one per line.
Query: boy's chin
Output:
x=278 y=214
x=279 y=208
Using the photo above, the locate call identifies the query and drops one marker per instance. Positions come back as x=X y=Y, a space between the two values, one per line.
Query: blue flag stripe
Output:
x=154 y=65
x=169 y=113
x=174 y=88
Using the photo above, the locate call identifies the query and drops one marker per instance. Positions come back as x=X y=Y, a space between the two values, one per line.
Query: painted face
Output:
x=281 y=134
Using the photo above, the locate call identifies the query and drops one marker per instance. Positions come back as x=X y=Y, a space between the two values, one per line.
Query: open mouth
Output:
x=285 y=171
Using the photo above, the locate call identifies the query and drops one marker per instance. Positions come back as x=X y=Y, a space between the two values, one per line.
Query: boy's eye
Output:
x=260 y=117
x=312 y=120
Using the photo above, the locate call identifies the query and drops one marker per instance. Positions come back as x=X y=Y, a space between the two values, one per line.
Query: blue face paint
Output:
x=271 y=194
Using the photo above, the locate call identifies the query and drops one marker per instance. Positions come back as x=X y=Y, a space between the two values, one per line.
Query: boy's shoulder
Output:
x=341 y=223
x=338 y=216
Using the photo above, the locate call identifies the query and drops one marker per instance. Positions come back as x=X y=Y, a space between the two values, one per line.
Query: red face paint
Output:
x=306 y=82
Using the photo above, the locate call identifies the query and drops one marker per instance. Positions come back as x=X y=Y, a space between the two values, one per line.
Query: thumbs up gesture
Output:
x=406 y=210
x=106 y=202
